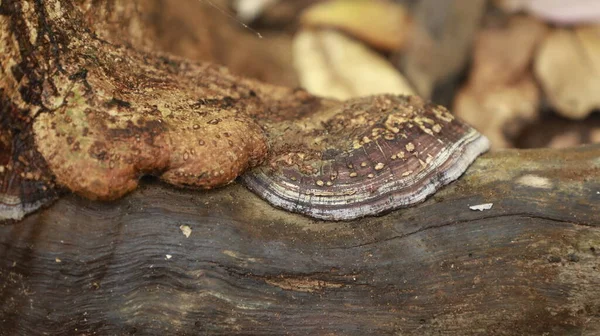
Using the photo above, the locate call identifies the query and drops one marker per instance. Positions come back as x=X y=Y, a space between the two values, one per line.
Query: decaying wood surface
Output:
x=529 y=265
x=181 y=262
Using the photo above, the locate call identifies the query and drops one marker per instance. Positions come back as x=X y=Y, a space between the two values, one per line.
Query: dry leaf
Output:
x=557 y=11
x=501 y=96
x=440 y=41
x=333 y=65
x=501 y=55
x=382 y=24
x=568 y=68
x=500 y=112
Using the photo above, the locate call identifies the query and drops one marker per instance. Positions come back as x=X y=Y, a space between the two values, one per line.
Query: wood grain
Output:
x=529 y=265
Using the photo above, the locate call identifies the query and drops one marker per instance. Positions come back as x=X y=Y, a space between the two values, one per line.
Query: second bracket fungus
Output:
x=364 y=157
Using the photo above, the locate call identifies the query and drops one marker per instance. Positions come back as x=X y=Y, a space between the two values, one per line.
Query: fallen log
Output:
x=171 y=261
x=179 y=262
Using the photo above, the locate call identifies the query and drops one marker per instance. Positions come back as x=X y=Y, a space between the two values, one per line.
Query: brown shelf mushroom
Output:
x=364 y=157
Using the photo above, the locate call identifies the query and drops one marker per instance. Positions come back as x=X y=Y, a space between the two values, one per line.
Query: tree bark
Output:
x=529 y=265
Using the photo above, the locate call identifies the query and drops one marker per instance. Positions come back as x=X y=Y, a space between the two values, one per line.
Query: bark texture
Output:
x=527 y=266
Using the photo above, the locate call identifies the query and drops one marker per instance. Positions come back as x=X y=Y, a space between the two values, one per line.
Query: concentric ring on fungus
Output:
x=364 y=157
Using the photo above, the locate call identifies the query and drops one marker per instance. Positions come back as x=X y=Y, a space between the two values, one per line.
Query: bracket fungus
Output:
x=81 y=114
x=25 y=182
x=365 y=156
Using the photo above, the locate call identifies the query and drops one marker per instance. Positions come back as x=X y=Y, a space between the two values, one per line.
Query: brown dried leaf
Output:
x=568 y=68
x=382 y=24
x=500 y=112
x=333 y=65
x=501 y=96
x=440 y=41
x=501 y=55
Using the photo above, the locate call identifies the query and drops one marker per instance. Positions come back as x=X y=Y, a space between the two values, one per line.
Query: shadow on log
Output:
x=529 y=265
